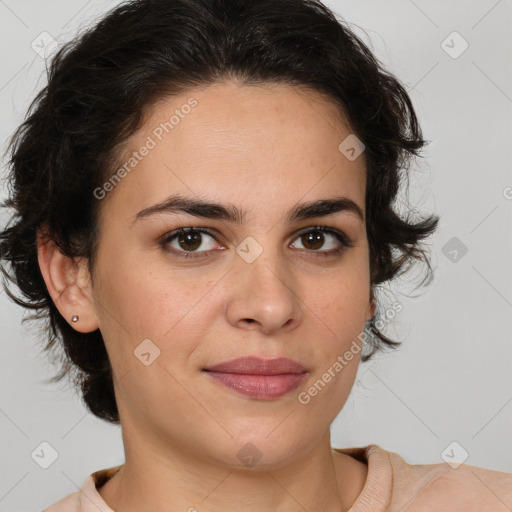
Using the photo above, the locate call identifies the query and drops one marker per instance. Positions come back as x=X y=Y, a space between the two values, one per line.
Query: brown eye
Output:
x=190 y=241
x=186 y=241
x=315 y=238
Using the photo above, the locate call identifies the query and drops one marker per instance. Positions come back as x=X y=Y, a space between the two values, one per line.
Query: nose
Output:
x=263 y=295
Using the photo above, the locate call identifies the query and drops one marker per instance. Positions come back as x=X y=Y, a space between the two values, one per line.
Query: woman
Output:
x=203 y=202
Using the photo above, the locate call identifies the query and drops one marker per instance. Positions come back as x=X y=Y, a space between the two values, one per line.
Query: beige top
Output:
x=392 y=485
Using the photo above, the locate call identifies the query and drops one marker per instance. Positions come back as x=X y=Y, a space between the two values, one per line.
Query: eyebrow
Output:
x=210 y=210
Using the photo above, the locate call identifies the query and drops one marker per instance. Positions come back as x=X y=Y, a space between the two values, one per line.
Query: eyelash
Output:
x=340 y=236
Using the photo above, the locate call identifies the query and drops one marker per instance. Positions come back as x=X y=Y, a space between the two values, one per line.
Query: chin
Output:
x=261 y=451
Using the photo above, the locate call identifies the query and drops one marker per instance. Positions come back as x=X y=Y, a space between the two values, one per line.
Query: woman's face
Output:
x=265 y=287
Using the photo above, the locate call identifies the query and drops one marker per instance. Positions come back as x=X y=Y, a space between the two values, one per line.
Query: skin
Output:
x=263 y=149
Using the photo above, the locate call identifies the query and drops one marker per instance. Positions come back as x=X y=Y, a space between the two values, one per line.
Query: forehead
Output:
x=242 y=140
x=229 y=110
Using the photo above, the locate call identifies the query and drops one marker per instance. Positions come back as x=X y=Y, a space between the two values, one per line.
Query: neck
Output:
x=173 y=479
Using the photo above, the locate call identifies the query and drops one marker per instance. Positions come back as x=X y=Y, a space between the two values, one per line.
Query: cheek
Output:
x=343 y=298
x=142 y=300
x=337 y=351
x=338 y=312
x=142 y=297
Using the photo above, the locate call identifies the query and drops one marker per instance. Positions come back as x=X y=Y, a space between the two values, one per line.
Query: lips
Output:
x=260 y=379
x=257 y=366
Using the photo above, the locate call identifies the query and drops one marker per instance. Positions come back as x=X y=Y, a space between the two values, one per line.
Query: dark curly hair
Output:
x=102 y=83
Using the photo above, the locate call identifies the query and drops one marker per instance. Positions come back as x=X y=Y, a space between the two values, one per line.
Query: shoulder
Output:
x=464 y=488
x=87 y=499
x=394 y=485
x=70 y=503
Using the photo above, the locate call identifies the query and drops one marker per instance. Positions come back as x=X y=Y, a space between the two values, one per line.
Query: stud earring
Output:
x=74 y=318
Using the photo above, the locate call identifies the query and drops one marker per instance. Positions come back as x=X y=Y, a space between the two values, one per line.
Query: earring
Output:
x=74 y=318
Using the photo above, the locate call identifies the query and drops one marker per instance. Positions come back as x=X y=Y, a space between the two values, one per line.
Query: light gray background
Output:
x=452 y=378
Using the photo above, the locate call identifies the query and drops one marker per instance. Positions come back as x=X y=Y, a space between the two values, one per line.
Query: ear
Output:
x=68 y=283
x=372 y=306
